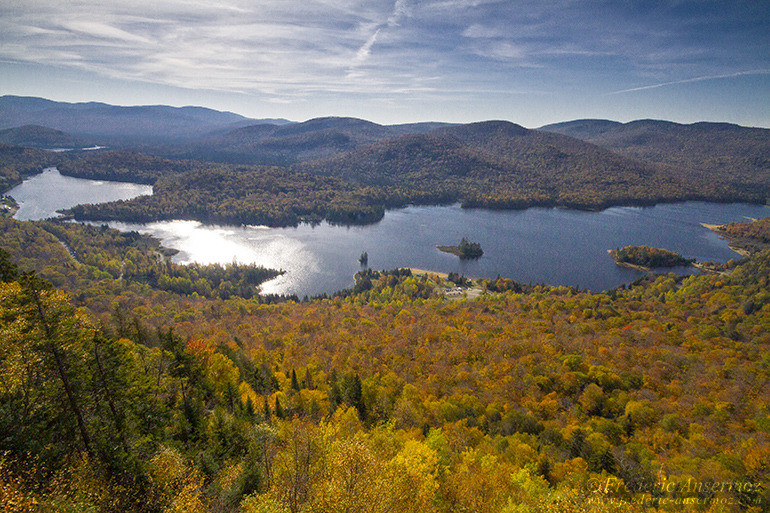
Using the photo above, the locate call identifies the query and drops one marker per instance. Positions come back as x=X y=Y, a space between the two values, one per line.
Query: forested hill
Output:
x=713 y=151
x=35 y=136
x=500 y=164
x=493 y=164
x=18 y=163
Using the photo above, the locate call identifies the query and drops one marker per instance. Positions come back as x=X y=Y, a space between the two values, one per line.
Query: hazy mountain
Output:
x=35 y=136
x=296 y=142
x=98 y=120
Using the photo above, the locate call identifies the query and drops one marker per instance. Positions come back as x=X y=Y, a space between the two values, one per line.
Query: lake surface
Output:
x=42 y=195
x=537 y=245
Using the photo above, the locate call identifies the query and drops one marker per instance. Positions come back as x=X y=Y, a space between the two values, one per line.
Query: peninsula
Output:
x=646 y=258
x=744 y=238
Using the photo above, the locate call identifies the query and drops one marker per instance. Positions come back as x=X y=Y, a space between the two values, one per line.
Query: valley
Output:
x=212 y=341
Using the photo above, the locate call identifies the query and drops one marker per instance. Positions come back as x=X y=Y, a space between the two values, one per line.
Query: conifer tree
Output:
x=278 y=409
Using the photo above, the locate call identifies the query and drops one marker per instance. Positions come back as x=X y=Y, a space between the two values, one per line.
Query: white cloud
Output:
x=366 y=49
x=105 y=31
x=400 y=10
x=478 y=30
x=281 y=50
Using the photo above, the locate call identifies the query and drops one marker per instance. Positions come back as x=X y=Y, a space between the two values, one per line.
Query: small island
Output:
x=646 y=257
x=466 y=250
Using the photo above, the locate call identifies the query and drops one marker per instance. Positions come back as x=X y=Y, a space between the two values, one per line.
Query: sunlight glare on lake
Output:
x=210 y=244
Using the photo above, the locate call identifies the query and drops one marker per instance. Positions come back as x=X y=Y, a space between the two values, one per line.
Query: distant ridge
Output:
x=582 y=128
x=613 y=162
x=296 y=142
x=704 y=148
x=491 y=164
x=148 y=123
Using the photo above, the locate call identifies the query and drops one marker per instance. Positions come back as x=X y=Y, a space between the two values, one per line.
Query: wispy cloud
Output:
x=393 y=20
x=285 y=50
x=366 y=49
x=695 y=79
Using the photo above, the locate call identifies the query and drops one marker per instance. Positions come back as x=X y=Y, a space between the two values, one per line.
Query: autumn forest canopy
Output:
x=119 y=393
x=131 y=383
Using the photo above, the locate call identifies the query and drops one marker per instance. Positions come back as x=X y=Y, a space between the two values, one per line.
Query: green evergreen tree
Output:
x=266 y=413
x=249 y=409
x=8 y=269
x=279 y=409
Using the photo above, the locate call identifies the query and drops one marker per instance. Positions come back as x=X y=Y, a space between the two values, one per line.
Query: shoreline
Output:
x=716 y=228
x=422 y=272
x=8 y=206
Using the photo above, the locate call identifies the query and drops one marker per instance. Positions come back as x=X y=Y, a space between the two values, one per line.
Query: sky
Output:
x=532 y=62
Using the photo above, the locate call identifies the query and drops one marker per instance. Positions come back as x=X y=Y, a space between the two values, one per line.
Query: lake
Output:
x=42 y=195
x=536 y=245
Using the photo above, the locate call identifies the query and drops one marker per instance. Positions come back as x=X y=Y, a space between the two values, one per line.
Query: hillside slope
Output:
x=17 y=163
x=710 y=151
x=499 y=164
x=543 y=399
x=35 y=136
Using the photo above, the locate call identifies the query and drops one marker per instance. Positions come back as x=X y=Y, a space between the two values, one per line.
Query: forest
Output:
x=348 y=171
x=244 y=195
x=130 y=383
x=96 y=253
x=18 y=163
x=117 y=394
x=705 y=149
x=749 y=237
x=357 y=188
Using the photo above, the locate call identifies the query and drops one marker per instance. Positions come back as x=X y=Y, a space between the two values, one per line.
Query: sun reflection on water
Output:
x=209 y=244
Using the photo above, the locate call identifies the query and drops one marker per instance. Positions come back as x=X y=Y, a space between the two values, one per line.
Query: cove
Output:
x=42 y=195
x=537 y=245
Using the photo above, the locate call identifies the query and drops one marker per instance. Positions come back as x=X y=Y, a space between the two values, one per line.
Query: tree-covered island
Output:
x=465 y=250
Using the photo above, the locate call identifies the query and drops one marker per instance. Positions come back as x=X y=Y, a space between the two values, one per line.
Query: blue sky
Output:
x=531 y=62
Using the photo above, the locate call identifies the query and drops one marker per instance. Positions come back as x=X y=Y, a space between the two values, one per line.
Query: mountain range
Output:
x=495 y=164
x=110 y=124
